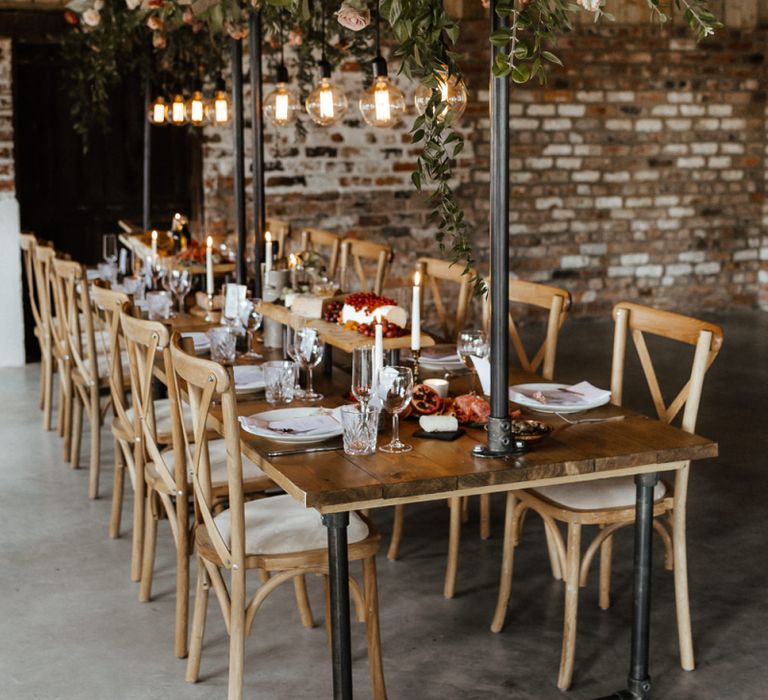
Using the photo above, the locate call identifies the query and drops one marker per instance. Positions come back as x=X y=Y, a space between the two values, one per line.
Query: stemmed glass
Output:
x=109 y=248
x=178 y=282
x=252 y=323
x=472 y=344
x=395 y=387
x=362 y=374
x=308 y=351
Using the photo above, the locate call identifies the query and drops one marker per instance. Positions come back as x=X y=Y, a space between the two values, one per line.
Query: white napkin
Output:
x=583 y=392
x=92 y=275
x=247 y=375
x=483 y=369
x=200 y=340
x=319 y=423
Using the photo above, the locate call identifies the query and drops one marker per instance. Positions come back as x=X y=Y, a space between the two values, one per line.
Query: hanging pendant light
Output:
x=194 y=109
x=176 y=110
x=157 y=113
x=383 y=103
x=281 y=105
x=219 y=110
x=453 y=93
x=326 y=104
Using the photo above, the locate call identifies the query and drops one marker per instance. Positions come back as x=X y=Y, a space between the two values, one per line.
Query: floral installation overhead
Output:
x=179 y=42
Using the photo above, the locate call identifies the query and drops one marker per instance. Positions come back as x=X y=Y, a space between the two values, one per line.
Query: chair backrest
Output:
x=357 y=255
x=324 y=242
x=433 y=272
x=144 y=340
x=206 y=381
x=280 y=231
x=556 y=302
x=108 y=305
x=42 y=261
x=28 y=243
x=707 y=338
x=75 y=318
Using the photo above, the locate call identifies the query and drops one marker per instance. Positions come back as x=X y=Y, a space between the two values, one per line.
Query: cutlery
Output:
x=304 y=450
x=589 y=420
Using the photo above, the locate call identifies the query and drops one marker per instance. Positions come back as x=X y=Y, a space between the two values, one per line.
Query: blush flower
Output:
x=354 y=16
x=91 y=18
x=155 y=22
x=591 y=5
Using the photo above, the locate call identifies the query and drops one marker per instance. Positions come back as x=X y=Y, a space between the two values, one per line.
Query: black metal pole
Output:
x=147 y=164
x=499 y=438
x=639 y=680
x=239 y=153
x=338 y=573
x=257 y=149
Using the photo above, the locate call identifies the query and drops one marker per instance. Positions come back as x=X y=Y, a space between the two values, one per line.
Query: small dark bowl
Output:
x=542 y=430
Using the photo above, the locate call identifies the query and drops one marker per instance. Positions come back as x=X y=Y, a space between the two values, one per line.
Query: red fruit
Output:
x=425 y=400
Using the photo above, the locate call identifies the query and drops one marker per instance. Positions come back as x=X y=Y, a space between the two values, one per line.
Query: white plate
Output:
x=574 y=407
x=201 y=340
x=286 y=414
x=440 y=357
x=248 y=378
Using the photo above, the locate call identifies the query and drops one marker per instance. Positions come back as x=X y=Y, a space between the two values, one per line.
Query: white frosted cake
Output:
x=363 y=308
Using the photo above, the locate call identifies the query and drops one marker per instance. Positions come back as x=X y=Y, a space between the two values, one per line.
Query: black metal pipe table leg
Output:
x=639 y=680
x=338 y=573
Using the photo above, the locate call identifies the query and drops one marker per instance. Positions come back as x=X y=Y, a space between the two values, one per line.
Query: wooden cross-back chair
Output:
x=280 y=231
x=610 y=503
x=435 y=271
x=326 y=243
x=87 y=362
x=28 y=243
x=276 y=535
x=356 y=255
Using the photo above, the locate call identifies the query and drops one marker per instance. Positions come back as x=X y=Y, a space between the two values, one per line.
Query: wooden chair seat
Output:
x=596 y=495
x=164 y=418
x=253 y=477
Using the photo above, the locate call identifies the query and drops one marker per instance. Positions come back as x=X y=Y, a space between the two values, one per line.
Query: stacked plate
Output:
x=441 y=358
x=248 y=378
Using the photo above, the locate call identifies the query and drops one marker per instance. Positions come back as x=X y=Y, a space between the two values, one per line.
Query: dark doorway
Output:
x=72 y=198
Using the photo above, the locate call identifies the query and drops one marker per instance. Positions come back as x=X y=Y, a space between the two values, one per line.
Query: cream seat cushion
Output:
x=597 y=495
x=163 y=416
x=280 y=525
x=217 y=453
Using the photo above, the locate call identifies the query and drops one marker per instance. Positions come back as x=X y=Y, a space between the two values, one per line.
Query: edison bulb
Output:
x=452 y=91
x=158 y=112
x=326 y=104
x=194 y=109
x=219 y=110
x=176 y=111
x=382 y=104
x=281 y=105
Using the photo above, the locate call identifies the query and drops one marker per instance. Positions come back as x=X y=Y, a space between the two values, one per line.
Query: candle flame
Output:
x=210 y=241
x=291 y=260
x=154 y=235
x=268 y=237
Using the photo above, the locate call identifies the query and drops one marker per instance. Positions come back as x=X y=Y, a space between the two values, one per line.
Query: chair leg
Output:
x=47 y=383
x=606 y=552
x=507 y=561
x=236 y=634
x=485 y=516
x=95 y=465
x=373 y=632
x=182 y=579
x=572 y=566
x=76 y=433
x=454 y=539
x=554 y=558
x=67 y=391
x=464 y=509
x=117 y=492
x=302 y=601
x=397 y=533
x=682 y=602
x=150 y=546
x=198 y=623
x=62 y=402
x=137 y=541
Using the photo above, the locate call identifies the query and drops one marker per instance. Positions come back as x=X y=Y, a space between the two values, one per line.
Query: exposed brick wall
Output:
x=7 y=183
x=638 y=172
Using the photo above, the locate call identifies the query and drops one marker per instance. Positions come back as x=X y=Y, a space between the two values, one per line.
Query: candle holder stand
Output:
x=209 y=309
x=416 y=354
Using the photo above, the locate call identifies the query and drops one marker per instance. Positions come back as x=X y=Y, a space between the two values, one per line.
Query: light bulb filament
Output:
x=197 y=110
x=177 y=112
x=220 y=110
x=326 y=103
x=281 y=107
x=158 y=113
x=381 y=102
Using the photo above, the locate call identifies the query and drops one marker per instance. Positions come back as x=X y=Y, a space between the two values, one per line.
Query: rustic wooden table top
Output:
x=335 y=481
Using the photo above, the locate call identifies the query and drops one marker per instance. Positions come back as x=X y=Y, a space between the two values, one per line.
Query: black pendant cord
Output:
x=257 y=149
x=239 y=154
x=147 y=162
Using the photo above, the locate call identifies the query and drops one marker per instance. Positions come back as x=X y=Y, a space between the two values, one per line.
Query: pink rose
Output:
x=295 y=38
x=155 y=22
x=188 y=17
x=353 y=17
x=91 y=18
x=132 y=4
x=591 y=5
x=158 y=40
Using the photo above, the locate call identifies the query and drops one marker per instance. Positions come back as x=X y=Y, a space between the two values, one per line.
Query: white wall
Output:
x=11 y=314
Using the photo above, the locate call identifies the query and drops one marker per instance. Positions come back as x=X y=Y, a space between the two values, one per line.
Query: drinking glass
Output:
x=290 y=350
x=360 y=425
x=395 y=387
x=178 y=282
x=308 y=350
x=469 y=344
x=109 y=248
x=362 y=374
x=159 y=305
x=223 y=343
x=279 y=378
x=252 y=322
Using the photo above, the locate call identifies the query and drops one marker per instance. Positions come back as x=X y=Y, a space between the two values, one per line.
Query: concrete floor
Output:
x=71 y=626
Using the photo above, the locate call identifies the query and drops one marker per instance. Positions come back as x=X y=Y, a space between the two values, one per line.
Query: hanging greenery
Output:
x=113 y=37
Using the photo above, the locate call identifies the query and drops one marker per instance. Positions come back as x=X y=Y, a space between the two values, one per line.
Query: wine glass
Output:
x=362 y=374
x=395 y=387
x=472 y=344
x=178 y=282
x=290 y=350
x=109 y=248
x=252 y=322
x=308 y=351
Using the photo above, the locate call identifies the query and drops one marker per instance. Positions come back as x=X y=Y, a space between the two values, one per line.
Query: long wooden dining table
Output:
x=335 y=483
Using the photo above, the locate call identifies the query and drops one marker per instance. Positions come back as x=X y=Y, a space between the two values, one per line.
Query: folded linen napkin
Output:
x=483 y=369
x=246 y=375
x=324 y=421
x=583 y=392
